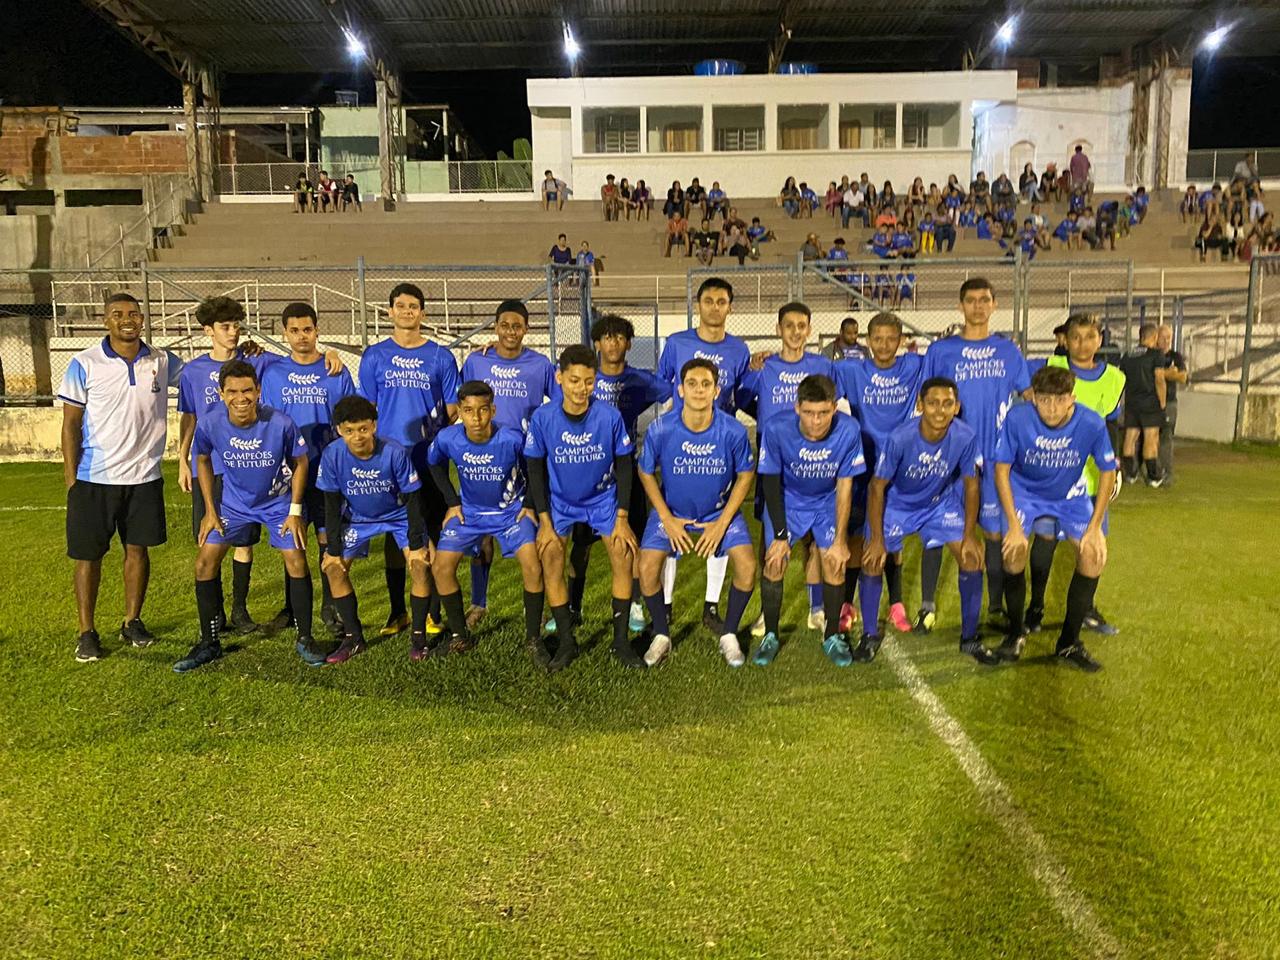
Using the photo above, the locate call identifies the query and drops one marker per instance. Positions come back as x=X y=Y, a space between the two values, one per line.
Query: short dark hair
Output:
x=561 y=236
x=1083 y=320
x=885 y=318
x=716 y=283
x=1060 y=330
x=939 y=383
x=848 y=320
x=412 y=289
x=512 y=306
x=219 y=310
x=121 y=297
x=298 y=309
x=1053 y=381
x=610 y=325
x=354 y=409
x=578 y=355
x=1147 y=329
x=700 y=363
x=236 y=368
x=977 y=283
x=795 y=306
x=816 y=388
x=475 y=388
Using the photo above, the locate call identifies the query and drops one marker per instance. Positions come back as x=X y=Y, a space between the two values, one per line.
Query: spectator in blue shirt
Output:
x=560 y=253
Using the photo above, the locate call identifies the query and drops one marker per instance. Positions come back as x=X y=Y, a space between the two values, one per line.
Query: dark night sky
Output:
x=67 y=55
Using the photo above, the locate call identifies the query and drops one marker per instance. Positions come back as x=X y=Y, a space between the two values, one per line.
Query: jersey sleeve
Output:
x=186 y=393
x=622 y=443
x=327 y=476
x=829 y=371
x=437 y=452
x=344 y=387
x=176 y=363
x=889 y=458
x=448 y=377
x=548 y=380
x=469 y=367
x=405 y=476
x=648 y=459
x=740 y=450
x=369 y=377
x=1007 y=443
x=970 y=460
x=770 y=454
x=660 y=391
x=294 y=441
x=1100 y=449
x=746 y=394
x=202 y=442
x=534 y=446
x=1020 y=375
x=74 y=388
x=854 y=464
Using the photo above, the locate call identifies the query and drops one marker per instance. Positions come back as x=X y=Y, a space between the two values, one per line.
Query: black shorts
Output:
x=97 y=511
x=313 y=505
x=433 y=507
x=197 y=512
x=1144 y=418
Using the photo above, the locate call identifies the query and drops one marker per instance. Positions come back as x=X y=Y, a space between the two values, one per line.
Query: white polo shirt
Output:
x=124 y=411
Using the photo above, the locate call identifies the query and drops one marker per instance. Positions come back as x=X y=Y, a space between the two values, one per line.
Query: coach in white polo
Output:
x=114 y=396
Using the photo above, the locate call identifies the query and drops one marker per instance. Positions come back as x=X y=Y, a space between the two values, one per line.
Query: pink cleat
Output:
x=848 y=617
x=898 y=617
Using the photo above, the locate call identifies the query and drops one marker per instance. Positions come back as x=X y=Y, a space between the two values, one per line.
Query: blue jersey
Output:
x=771 y=390
x=698 y=468
x=491 y=475
x=633 y=391
x=921 y=473
x=731 y=357
x=519 y=385
x=374 y=488
x=882 y=400
x=810 y=468
x=1047 y=463
x=989 y=374
x=308 y=394
x=411 y=387
x=254 y=460
x=579 y=450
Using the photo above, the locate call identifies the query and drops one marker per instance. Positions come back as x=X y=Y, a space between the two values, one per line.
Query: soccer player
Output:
x=704 y=457
x=807 y=465
x=521 y=380
x=113 y=432
x=1040 y=461
x=300 y=386
x=580 y=461
x=989 y=371
x=370 y=487
x=490 y=503
x=413 y=383
x=1145 y=396
x=263 y=456
x=882 y=391
x=926 y=482
x=732 y=358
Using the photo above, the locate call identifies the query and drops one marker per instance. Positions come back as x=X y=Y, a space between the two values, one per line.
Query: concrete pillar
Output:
x=193 y=139
x=388 y=105
x=211 y=140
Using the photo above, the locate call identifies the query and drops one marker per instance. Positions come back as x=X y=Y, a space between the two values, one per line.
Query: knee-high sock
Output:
x=395 y=589
x=771 y=603
x=301 y=594
x=533 y=605
x=1015 y=600
x=479 y=583
x=326 y=592
x=970 y=603
x=209 y=608
x=669 y=580
x=1041 y=564
x=433 y=598
x=564 y=623
x=349 y=612
x=716 y=568
x=893 y=579
x=930 y=569
x=995 y=574
x=658 y=614
x=1080 y=596
x=454 y=617
x=815 y=595
x=850 y=583
x=418 y=613
x=870 y=588
x=288 y=600
x=832 y=598
x=240 y=574
x=579 y=557
x=222 y=599
x=734 y=609
x=621 y=607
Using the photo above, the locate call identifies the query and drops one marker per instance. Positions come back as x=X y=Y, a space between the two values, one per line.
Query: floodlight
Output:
x=571 y=46
x=1004 y=35
x=1213 y=39
x=355 y=46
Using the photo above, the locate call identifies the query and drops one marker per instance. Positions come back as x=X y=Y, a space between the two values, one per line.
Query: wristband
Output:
x=295 y=509
x=783 y=534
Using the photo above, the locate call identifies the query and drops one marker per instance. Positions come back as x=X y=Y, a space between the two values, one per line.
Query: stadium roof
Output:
x=669 y=36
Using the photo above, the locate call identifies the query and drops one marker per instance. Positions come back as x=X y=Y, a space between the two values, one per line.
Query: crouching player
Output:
x=262 y=458
x=492 y=482
x=368 y=485
x=807 y=465
x=1040 y=459
x=926 y=482
x=704 y=456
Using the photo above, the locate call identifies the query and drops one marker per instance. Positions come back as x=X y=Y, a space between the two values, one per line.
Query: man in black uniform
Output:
x=1144 y=403
x=1175 y=372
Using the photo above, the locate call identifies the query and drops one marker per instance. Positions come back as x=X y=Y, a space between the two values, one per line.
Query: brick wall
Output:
x=24 y=142
x=136 y=153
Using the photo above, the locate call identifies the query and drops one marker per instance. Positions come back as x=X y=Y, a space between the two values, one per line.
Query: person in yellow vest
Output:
x=1098 y=386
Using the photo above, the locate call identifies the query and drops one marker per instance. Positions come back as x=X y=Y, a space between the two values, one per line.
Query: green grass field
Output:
x=477 y=808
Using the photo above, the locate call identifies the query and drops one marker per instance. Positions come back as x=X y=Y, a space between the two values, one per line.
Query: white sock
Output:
x=669 y=579
x=716 y=569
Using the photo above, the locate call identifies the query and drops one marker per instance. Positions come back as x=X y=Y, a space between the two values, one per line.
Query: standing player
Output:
x=704 y=457
x=580 y=461
x=113 y=431
x=414 y=385
x=300 y=386
x=807 y=465
x=370 y=488
x=732 y=357
x=264 y=481
x=1145 y=396
x=926 y=482
x=1040 y=464
x=489 y=505
x=989 y=371
x=521 y=379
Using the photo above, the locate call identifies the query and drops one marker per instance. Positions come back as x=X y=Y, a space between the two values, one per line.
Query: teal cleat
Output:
x=837 y=650
x=767 y=650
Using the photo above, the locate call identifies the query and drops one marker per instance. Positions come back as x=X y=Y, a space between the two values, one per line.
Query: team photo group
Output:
x=518 y=456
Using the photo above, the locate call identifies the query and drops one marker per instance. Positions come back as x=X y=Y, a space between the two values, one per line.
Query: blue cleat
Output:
x=837 y=650
x=636 y=623
x=198 y=656
x=311 y=654
x=767 y=650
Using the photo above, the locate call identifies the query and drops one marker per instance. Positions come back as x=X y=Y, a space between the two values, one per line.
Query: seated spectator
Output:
x=953 y=196
x=1002 y=193
x=736 y=242
x=1210 y=236
x=351 y=194
x=1247 y=169
x=837 y=252
x=935 y=197
x=844 y=184
x=1007 y=234
x=553 y=191
x=717 y=202
x=881 y=244
x=944 y=232
x=1234 y=235
x=968 y=216
x=904 y=243
x=1077 y=200
x=1029 y=239
x=853 y=203
x=927 y=228
x=1211 y=201
x=908 y=220
x=731 y=219
x=988 y=229
x=980 y=192
x=845 y=346
x=1262 y=237
x=695 y=200
x=589 y=260
x=1105 y=225
x=1067 y=232
x=1029 y=185
x=1237 y=198
x=1122 y=212
x=888 y=199
x=1049 y=184
x=1006 y=213
x=677 y=233
x=812 y=249
x=327 y=192
x=641 y=200
x=706 y=242
x=809 y=201
x=610 y=198
x=1037 y=218
x=904 y=288
x=916 y=195
x=675 y=201
x=831 y=201
x=560 y=254
x=303 y=192
x=758 y=233
x=624 y=195
x=789 y=198
x=1141 y=200
x=887 y=217
x=1189 y=208
x=868 y=189
x=1256 y=205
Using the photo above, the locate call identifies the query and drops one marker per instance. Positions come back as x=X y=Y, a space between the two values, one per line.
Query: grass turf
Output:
x=476 y=807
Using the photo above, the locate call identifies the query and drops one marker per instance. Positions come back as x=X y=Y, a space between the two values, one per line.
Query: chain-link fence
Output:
x=1053 y=290
x=644 y=317
x=490 y=176
x=758 y=291
x=281 y=179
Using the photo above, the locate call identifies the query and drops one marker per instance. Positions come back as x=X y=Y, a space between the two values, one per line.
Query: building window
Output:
x=868 y=126
x=675 y=129
x=803 y=127
x=1070 y=73
x=606 y=130
x=926 y=125
x=738 y=128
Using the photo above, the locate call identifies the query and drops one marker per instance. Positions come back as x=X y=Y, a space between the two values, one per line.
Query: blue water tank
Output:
x=797 y=68
x=719 y=68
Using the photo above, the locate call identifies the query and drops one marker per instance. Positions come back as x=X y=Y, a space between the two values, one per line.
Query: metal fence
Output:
x=490 y=176
x=758 y=291
x=279 y=179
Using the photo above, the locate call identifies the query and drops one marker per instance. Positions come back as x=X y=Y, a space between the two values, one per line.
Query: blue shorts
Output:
x=990 y=513
x=600 y=516
x=356 y=536
x=937 y=524
x=655 y=535
x=820 y=522
x=511 y=534
x=1061 y=519
x=243 y=528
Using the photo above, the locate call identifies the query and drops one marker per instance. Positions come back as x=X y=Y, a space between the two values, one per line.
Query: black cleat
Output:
x=281 y=621
x=1034 y=619
x=1011 y=648
x=975 y=649
x=1077 y=654
x=88 y=647
x=566 y=653
x=627 y=655
x=198 y=656
x=711 y=619
x=925 y=620
x=866 y=649
x=538 y=651
x=135 y=632
x=241 y=622
x=332 y=622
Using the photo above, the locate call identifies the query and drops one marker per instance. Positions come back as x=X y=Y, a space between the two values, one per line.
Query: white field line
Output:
x=1051 y=875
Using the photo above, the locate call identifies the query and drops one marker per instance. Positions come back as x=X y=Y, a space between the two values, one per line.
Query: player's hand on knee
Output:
x=209 y=523
x=420 y=557
x=298 y=528
x=676 y=533
x=971 y=553
x=623 y=536
x=329 y=563
x=873 y=556
x=547 y=537
x=834 y=558
x=1093 y=552
x=709 y=542
x=1013 y=549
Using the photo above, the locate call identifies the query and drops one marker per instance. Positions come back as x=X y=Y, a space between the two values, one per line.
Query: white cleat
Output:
x=818 y=621
x=731 y=650
x=659 y=648
x=758 y=628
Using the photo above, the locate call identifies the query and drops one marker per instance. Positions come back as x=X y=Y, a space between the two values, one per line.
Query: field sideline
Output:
x=919 y=807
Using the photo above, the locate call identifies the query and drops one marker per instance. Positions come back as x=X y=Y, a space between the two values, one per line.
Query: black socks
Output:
x=418 y=618
x=1042 y=551
x=771 y=603
x=533 y=604
x=349 y=611
x=832 y=599
x=930 y=569
x=240 y=572
x=209 y=608
x=995 y=574
x=395 y=590
x=301 y=594
x=1080 y=596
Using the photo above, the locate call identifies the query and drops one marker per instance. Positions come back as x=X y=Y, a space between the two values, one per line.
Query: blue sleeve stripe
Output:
x=75 y=403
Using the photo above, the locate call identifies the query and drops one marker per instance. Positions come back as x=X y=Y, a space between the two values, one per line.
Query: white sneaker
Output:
x=758 y=628
x=818 y=621
x=659 y=647
x=731 y=650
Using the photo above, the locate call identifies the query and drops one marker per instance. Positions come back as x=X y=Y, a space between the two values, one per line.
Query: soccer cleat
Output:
x=458 y=644
x=711 y=618
x=898 y=617
x=566 y=653
x=925 y=619
x=434 y=627
x=627 y=656
x=731 y=650
x=818 y=620
x=417 y=646
x=975 y=649
x=475 y=617
x=550 y=626
x=330 y=619
x=1034 y=620
x=88 y=647
x=758 y=629
x=1157 y=482
x=198 y=656
x=135 y=632
x=281 y=621
x=1095 y=622
x=310 y=653
x=395 y=623
x=538 y=651
x=350 y=647
x=1011 y=648
x=659 y=650
x=1077 y=654
x=836 y=648
x=848 y=617
x=767 y=650
x=867 y=648
x=635 y=621
x=1130 y=478
x=241 y=622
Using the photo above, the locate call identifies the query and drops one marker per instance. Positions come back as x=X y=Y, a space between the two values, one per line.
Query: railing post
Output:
x=1128 y=295
x=1251 y=304
x=688 y=296
x=146 y=304
x=364 y=303
x=448 y=324
x=551 y=310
